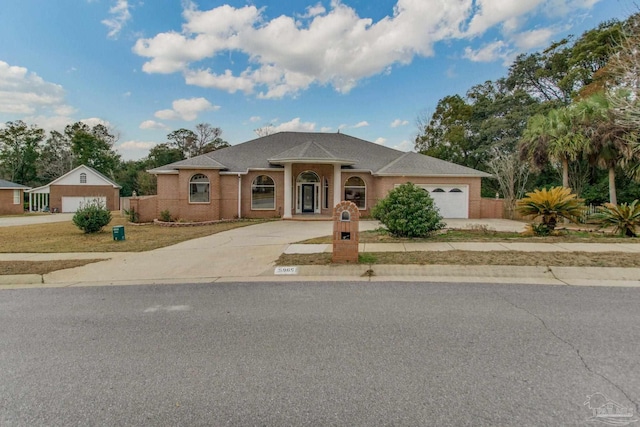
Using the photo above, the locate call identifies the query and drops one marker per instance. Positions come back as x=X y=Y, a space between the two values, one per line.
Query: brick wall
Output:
x=173 y=195
x=346 y=250
x=6 y=203
x=145 y=206
x=491 y=208
x=386 y=184
x=57 y=192
x=247 y=181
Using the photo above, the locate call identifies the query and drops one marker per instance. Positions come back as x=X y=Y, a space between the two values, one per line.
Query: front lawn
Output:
x=66 y=237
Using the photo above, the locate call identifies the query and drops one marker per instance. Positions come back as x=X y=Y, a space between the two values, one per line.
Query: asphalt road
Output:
x=316 y=354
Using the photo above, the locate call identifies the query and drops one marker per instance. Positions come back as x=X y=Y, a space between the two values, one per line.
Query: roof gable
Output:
x=93 y=178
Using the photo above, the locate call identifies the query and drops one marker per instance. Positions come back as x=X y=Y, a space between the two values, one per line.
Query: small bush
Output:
x=165 y=216
x=132 y=215
x=92 y=216
x=624 y=218
x=408 y=211
x=551 y=205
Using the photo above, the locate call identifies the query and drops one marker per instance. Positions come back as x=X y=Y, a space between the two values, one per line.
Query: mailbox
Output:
x=346 y=219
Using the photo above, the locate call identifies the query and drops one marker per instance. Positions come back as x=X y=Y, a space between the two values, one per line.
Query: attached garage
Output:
x=451 y=200
x=72 y=204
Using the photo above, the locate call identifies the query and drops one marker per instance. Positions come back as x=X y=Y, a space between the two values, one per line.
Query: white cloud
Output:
x=136 y=145
x=492 y=12
x=489 y=52
x=529 y=40
x=397 y=123
x=152 y=124
x=361 y=124
x=295 y=125
x=120 y=15
x=94 y=121
x=334 y=46
x=380 y=141
x=24 y=92
x=326 y=129
x=255 y=119
x=186 y=109
x=404 y=146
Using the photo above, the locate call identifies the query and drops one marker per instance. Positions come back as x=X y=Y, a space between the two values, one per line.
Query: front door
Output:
x=308 y=198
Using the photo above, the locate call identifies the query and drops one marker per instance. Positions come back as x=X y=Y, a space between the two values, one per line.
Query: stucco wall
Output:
x=58 y=191
x=6 y=203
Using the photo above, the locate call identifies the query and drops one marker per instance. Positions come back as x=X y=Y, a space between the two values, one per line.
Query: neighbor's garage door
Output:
x=453 y=201
x=71 y=204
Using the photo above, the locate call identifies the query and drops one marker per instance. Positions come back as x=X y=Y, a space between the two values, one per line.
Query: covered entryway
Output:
x=451 y=200
x=72 y=204
x=308 y=192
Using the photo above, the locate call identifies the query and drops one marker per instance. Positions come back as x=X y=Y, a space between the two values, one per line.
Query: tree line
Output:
x=31 y=157
x=565 y=115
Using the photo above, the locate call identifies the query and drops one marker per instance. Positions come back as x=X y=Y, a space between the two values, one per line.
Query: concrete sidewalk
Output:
x=249 y=253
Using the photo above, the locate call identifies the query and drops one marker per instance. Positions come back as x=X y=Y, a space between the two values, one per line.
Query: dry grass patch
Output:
x=41 y=267
x=568 y=236
x=558 y=259
x=66 y=237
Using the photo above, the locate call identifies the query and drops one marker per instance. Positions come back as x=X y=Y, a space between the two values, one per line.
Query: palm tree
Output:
x=611 y=143
x=554 y=137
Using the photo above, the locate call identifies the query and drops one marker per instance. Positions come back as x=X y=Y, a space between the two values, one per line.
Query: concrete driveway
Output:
x=239 y=253
x=10 y=221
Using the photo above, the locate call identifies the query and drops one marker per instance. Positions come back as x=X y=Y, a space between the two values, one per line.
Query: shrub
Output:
x=92 y=216
x=551 y=205
x=408 y=211
x=624 y=218
x=165 y=216
x=132 y=215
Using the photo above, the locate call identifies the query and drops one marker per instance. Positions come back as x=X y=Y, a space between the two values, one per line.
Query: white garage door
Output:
x=451 y=200
x=71 y=204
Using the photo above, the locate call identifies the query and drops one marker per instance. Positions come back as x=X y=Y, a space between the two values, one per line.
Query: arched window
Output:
x=438 y=190
x=199 y=189
x=355 y=191
x=308 y=176
x=83 y=178
x=263 y=193
x=455 y=190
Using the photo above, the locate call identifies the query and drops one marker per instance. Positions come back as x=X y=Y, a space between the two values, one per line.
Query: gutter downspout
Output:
x=239 y=196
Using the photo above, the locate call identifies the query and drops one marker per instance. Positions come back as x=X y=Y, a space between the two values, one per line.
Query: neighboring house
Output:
x=295 y=173
x=11 y=198
x=65 y=194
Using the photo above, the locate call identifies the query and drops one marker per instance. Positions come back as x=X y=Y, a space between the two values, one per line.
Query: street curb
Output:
x=22 y=279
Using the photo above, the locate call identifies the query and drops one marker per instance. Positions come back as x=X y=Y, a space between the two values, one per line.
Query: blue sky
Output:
x=366 y=68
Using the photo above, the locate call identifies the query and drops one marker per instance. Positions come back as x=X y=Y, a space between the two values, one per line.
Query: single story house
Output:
x=289 y=174
x=11 y=197
x=82 y=184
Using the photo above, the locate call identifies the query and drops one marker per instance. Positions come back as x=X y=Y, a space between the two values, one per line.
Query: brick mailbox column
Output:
x=346 y=218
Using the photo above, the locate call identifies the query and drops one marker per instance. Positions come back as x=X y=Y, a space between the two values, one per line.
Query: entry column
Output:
x=287 y=191
x=337 y=184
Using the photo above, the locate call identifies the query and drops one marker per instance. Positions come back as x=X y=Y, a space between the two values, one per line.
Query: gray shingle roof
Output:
x=12 y=185
x=418 y=164
x=266 y=152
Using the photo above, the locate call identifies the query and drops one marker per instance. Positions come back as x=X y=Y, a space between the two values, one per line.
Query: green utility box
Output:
x=118 y=232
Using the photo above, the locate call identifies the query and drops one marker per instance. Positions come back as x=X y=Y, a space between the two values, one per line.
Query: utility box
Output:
x=346 y=220
x=118 y=232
